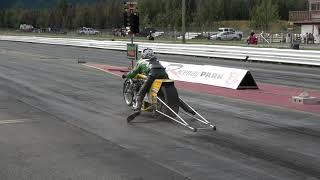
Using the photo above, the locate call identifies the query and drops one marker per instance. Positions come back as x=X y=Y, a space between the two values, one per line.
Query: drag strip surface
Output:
x=252 y=141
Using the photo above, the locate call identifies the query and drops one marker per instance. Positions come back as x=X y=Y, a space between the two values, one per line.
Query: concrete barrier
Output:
x=290 y=56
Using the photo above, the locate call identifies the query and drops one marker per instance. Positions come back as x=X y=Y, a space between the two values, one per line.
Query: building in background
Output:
x=308 y=20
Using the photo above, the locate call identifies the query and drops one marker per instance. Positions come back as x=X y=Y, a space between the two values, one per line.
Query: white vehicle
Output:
x=228 y=35
x=88 y=31
x=230 y=30
x=26 y=27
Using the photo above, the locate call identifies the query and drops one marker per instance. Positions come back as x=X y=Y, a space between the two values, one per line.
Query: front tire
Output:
x=127 y=91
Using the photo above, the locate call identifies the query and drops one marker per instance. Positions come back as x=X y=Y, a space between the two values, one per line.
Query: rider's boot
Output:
x=139 y=100
x=133 y=116
x=142 y=93
x=137 y=109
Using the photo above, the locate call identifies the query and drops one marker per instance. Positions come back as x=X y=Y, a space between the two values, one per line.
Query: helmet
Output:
x=147 y=53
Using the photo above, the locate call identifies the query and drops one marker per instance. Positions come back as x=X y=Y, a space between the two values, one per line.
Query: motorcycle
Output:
x=163 y=101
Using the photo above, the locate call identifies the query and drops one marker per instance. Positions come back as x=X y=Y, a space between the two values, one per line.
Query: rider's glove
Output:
x=124 y=76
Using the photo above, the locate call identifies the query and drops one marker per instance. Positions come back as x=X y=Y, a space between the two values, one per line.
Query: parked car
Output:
x=88 y=31
x=231 y=30
x=226 y=36
x=119 y=31
x=26 y=28
x=146 y=31
x=56 y=30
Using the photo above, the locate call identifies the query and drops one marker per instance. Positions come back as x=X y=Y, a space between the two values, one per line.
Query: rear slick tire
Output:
x=169 y=95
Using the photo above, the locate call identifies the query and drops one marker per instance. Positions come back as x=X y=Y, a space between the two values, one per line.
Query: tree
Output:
x=42 y=19
x=100 y=15
x=27 y=17
x=201 y=14
x=114 y=16
x=1 y=18
x=290 y=5
x=264 y=14
x=10 y=19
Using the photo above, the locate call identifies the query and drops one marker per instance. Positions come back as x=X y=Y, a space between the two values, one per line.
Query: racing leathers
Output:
x=153 y=70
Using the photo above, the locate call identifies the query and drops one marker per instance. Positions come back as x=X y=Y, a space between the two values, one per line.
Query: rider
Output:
x=150 y=66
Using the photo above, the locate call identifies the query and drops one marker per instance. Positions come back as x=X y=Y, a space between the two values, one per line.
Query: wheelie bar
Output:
x=192 y=113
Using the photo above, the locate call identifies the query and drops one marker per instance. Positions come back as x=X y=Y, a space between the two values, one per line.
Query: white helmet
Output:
x=147 y=53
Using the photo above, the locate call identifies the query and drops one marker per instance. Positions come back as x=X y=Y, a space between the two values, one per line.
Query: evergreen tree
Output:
x=264 y=14
x=10 y=19
x=201 y=14
x=1 y=19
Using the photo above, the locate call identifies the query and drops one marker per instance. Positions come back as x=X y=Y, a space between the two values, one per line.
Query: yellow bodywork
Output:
x=155 y=87
x=153 y=92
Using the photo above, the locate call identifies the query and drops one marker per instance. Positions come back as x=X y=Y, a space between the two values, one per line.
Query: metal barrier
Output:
x=303 y=57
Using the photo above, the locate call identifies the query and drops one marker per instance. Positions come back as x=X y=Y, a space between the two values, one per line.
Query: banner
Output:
x=132 y=51
x=210 y=75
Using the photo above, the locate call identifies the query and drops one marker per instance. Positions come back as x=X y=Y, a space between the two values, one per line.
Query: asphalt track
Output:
x=62 y=120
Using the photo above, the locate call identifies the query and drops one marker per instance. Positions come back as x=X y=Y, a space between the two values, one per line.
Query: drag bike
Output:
x=162 y=100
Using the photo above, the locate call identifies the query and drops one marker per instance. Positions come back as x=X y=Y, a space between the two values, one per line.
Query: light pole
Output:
x=183 y=28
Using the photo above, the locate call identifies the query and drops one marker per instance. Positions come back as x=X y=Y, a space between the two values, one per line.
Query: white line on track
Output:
x=15 y=121
x=102 y=70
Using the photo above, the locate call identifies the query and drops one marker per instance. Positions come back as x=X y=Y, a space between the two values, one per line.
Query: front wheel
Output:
x=127 y=92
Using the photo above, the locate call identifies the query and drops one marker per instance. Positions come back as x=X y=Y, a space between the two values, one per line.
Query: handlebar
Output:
x=141 y=76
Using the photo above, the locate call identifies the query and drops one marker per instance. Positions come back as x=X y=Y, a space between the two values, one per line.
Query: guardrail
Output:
x=303 y=57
